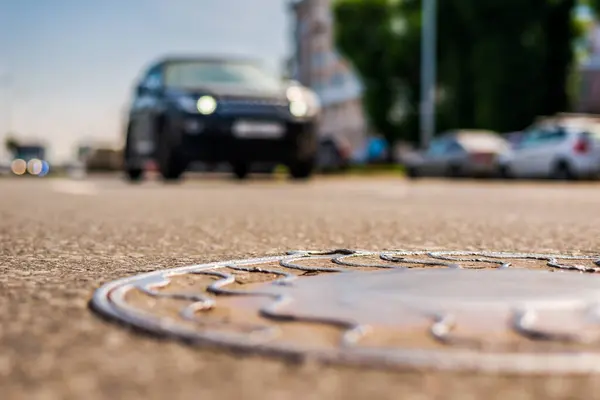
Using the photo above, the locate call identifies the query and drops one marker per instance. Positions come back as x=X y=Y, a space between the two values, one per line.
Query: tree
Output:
x=501 y=63
x=378 y=43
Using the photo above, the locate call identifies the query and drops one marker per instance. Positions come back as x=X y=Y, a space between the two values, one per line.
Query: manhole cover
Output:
x=447 y=310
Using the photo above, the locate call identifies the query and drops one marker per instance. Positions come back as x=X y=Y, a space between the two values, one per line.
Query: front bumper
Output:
x=211 y=139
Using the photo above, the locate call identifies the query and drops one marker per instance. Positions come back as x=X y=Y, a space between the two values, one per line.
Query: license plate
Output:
x=254 y=129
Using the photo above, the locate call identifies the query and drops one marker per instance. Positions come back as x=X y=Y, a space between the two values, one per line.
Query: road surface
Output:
x=61 y=239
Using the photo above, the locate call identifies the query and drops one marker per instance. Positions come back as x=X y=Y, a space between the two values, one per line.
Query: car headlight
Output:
x=205 y=105
x=303 y=102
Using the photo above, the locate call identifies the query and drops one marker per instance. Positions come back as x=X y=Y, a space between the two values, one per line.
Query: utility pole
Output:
x=6 y=104
x=9 y=104
x=428 y=71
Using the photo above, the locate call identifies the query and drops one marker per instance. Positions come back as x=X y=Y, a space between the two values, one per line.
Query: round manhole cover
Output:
x=457 y=310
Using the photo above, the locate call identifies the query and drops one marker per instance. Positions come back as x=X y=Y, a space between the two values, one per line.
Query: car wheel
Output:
x=171 y=162
x=504 y=172
x=562 y=172
x=413 y=173
x=330 y=159
x=454 y=171
x=301 y=170
x=133 y=172
x=240 y=170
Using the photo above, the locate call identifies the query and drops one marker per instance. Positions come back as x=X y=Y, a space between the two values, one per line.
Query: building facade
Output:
x=317 y=64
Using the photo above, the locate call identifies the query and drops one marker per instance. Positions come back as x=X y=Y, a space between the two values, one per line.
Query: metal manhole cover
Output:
x=447 y=310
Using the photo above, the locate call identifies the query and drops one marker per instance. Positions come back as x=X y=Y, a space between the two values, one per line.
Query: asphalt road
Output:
x=60 y=240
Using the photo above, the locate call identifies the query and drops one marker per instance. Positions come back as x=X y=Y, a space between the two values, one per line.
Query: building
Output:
x=317 y=64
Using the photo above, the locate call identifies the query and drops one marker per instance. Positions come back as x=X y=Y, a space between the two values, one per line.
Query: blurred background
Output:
x=68 y=68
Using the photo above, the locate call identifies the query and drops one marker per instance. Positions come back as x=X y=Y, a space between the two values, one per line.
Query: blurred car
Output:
x=333 y=154
x=30 y=151
x=514 y=138
x=458 y=153
x=560 y=149
x=216 y=110
x=104 y=159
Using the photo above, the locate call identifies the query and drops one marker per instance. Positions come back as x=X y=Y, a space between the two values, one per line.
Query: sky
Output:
x=67 y=67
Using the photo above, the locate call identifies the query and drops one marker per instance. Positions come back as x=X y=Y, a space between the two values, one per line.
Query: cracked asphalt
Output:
x=61 y=239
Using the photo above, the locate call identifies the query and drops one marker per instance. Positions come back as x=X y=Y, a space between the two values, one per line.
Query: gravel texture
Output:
x=60 y=240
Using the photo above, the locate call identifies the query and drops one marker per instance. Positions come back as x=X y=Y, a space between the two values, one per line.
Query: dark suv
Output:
x=217 y=110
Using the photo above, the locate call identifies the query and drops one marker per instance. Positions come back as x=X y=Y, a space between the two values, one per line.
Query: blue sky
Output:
x=72 y=63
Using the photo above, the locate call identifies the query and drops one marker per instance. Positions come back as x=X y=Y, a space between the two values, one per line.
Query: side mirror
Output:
x=148 y=86
x=142 y=90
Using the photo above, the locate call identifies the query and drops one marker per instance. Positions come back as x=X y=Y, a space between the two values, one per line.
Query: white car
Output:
x=563 y=150
x=458 y=153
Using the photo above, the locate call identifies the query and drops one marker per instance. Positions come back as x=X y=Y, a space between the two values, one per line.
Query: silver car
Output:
x=461 y=153
x=558 y=149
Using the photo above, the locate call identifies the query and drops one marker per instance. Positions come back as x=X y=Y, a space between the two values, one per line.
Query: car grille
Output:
x=251 y=107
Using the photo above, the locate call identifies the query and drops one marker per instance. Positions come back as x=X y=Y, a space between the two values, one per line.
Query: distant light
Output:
x=19 y=167
x=34 y=166
x=45 y=168
x=206 y=105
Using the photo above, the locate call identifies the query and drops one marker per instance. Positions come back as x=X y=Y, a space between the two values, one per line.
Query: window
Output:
x=454 y=148
x=556 y=135
x=542 y=136
x=153 y=80
x=437 y=147
x=195 y=74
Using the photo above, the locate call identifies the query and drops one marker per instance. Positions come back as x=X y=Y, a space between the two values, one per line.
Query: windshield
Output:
x=197 y=74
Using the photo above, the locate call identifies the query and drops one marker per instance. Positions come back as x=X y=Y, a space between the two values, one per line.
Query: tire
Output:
x=134 y=175
x=241 y=170
x=171 y=161
x=330 y=159
x=133 y=172
x=303 y=159
x=562 y=172
x=454 y=172
x=413 y=173
x=504 y=172
x=301 y=170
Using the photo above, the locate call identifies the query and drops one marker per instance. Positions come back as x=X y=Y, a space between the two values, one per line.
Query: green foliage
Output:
x=594 y=4
x=500 y=62
x=383 y=46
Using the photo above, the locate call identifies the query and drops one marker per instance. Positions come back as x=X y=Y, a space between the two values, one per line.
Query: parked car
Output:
x=558 y=149
x=216 y=110
x=459 y=153
x=104 y=159
x=333 y=154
